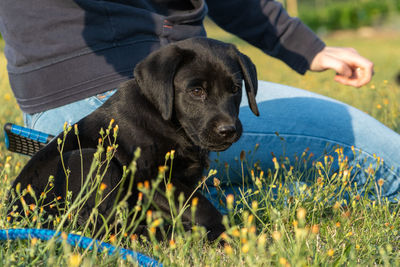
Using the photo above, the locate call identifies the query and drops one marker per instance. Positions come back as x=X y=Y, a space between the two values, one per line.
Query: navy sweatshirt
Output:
x=61 y=51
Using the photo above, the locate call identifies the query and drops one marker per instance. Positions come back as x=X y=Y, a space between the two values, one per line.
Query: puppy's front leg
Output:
x=206 y=214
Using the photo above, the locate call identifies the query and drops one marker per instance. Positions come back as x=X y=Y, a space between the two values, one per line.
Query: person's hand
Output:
x=351 y=68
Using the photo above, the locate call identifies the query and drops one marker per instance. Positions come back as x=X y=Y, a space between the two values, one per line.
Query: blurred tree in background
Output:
x=328 y=15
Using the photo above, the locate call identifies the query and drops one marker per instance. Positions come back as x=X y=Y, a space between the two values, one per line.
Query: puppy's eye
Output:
x=236 y=89
x=198 y=92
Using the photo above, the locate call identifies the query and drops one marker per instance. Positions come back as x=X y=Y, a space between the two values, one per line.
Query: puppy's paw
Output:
x=215 y=231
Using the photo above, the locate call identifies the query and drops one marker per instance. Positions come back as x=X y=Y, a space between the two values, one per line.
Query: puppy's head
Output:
x=198 y=82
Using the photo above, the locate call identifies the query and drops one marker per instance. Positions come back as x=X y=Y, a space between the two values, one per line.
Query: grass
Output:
x=273 y=225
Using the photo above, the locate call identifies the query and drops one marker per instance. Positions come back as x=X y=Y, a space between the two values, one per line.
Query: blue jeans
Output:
x=291 y=121
x=52 y=121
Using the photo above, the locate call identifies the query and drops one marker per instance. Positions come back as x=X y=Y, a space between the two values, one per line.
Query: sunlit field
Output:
x=314 y=225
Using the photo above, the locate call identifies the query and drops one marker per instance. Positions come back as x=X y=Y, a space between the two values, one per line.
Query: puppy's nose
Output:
x=226 y=130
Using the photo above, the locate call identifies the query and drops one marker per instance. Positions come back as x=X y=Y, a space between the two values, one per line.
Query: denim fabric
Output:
x=291 y=121
x=52 y=121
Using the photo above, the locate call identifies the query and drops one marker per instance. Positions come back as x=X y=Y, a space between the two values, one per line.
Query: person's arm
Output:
x=266 y=25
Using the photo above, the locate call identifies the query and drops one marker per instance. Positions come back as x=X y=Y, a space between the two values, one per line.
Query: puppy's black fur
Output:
x=185 y=97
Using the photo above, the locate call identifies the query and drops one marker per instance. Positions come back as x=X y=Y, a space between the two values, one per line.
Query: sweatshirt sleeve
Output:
x=266 y=25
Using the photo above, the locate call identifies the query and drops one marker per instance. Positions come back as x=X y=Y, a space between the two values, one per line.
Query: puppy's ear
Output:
x=250 y=80
x=155 y=76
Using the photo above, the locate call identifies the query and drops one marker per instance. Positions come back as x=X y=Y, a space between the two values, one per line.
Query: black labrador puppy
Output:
x=184 y=97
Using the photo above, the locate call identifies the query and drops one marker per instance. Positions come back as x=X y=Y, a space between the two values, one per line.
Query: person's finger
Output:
x=365 y=73
x=361 y=67
x=347 y=81
x=328 y=58
x=351 y=68
x=359 y=78
x=339 y=66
